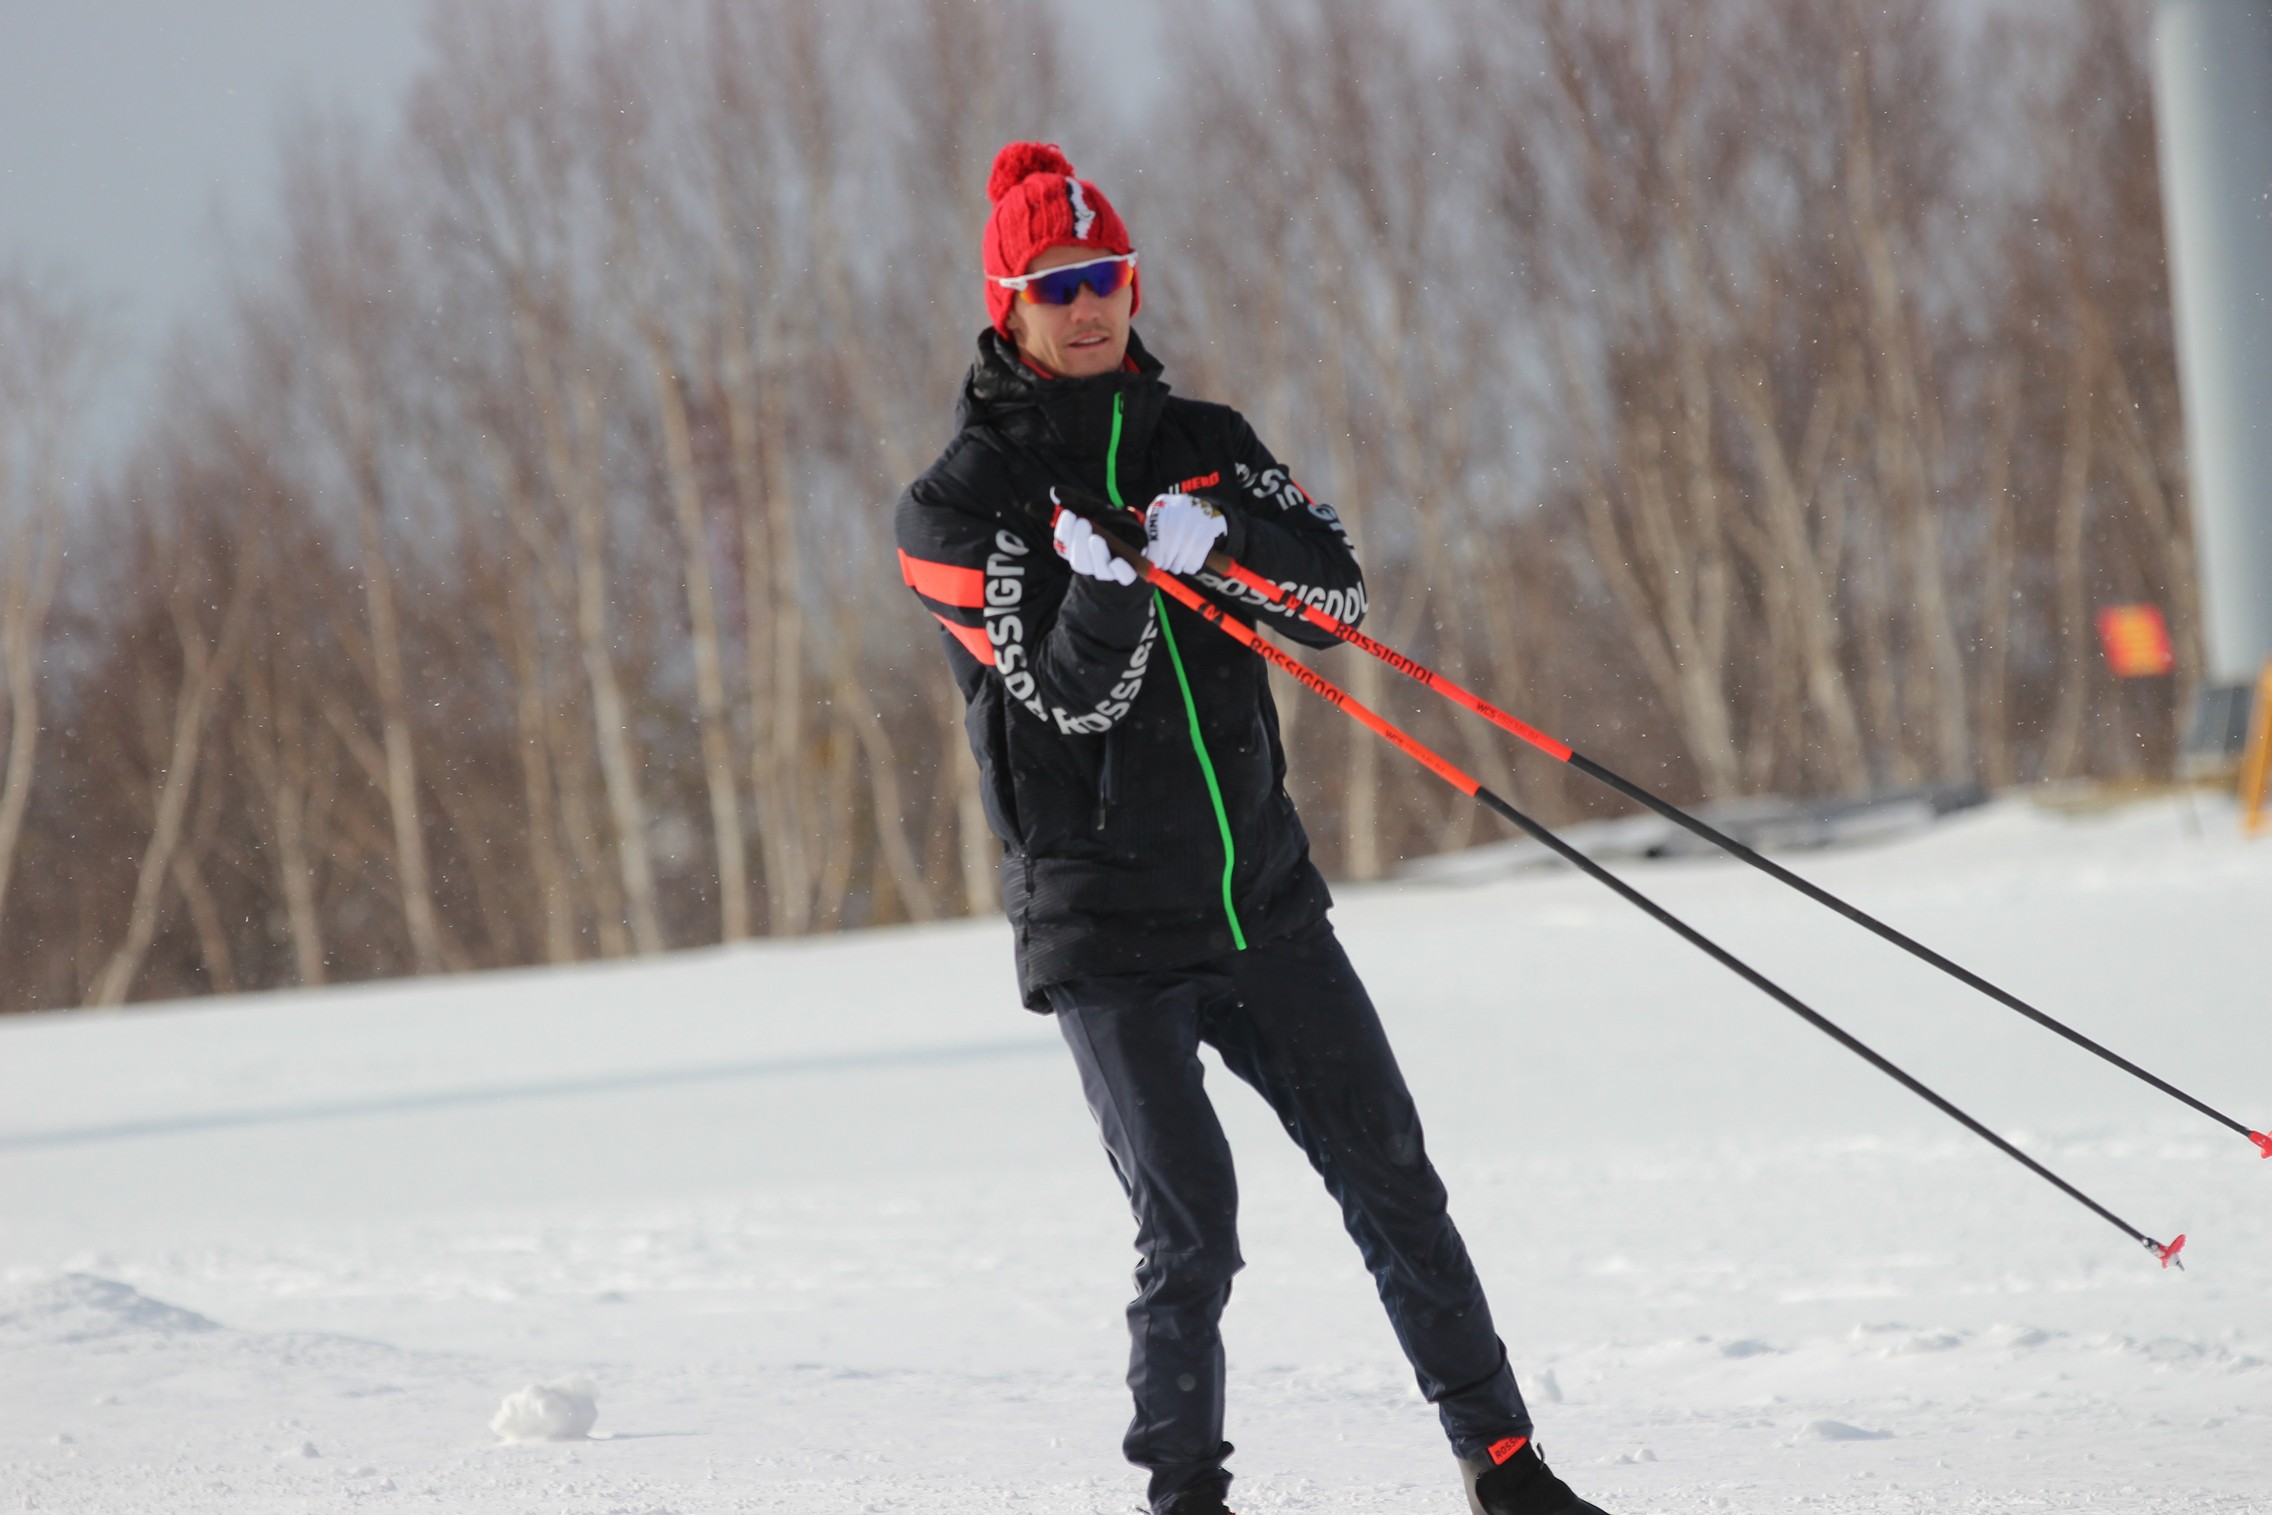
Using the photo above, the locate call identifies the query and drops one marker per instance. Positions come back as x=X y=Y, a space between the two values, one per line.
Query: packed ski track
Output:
x=827 y=1230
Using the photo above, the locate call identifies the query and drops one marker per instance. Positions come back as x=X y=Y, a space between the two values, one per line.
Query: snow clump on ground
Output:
x=564 y=1411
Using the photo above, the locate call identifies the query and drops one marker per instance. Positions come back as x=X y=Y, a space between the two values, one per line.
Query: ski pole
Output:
x=1451 y=774
x=1225 y=567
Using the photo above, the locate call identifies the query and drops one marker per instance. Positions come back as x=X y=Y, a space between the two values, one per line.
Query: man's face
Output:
x=1076 y=341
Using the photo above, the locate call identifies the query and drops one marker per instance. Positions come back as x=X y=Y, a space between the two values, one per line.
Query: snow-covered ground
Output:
x=827 y=1230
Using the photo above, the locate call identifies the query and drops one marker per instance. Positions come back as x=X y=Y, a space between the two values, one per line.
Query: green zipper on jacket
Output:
x=1183 y=682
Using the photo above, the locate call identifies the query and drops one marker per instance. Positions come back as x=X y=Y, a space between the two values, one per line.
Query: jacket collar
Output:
x=1070 y=417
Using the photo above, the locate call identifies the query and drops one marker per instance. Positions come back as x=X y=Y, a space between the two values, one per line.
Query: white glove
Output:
x=1079 y=544
x=1182 y=529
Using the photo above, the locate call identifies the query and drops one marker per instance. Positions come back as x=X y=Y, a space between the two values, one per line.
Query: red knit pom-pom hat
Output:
x=1040 y=203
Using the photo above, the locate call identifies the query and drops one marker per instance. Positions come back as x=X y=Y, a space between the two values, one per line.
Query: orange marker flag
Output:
x=2136 y=639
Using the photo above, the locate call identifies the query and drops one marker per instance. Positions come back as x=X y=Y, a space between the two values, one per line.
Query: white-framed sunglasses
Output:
x=1062 y=286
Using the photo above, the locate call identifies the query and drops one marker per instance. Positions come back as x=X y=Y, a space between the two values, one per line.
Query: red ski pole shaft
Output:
x=1412 y=668
x=1244 y=635
x=1238 y=573
x=1453 y=775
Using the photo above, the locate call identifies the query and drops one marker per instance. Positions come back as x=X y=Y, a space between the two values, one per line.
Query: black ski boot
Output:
x=1519 y=1483
x=1201 y=1501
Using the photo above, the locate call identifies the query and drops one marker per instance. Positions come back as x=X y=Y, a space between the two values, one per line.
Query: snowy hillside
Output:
x=826 y=1226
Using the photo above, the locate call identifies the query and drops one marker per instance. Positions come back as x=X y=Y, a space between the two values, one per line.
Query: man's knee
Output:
x=1379 y=1149
x=1171 y=1278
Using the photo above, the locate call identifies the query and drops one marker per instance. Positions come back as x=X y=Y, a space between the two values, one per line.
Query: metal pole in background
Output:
x=2213 y=113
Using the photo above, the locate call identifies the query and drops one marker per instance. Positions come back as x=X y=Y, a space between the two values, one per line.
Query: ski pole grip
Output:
x=1128 y=554
x=1083 y=507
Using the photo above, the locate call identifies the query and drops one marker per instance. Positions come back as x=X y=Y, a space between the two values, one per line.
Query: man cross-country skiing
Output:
x=1156 y=875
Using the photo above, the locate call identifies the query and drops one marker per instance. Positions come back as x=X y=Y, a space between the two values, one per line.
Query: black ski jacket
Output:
x=1128 y=751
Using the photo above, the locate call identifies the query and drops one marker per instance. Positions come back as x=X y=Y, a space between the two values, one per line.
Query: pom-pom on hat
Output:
x=1040 y=203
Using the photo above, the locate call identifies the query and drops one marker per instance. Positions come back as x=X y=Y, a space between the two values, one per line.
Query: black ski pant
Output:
x=1290 y=1018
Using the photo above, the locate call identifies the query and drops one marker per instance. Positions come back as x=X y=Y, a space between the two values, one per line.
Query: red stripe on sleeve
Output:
x=973 y=638
x=943 y=582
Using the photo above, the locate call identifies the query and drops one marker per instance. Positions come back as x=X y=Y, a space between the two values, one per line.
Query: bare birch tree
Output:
x=46 y=354
x=508 y=167
x=206 y=655
x=643 y=211
x=340 y=241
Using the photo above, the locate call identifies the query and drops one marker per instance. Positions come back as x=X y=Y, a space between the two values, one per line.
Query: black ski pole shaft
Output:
x=1816 y=1019
x=1562 y=752
x=1909 y=944
x=1452 y=774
